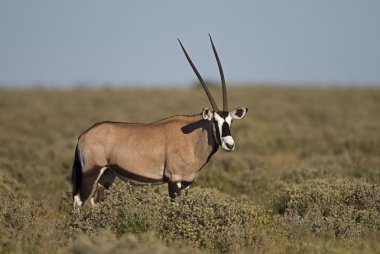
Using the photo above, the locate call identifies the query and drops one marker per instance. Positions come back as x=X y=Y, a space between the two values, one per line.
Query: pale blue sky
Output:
x=135 y=42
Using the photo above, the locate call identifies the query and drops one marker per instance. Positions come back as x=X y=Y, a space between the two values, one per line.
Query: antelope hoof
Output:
x=77 y=203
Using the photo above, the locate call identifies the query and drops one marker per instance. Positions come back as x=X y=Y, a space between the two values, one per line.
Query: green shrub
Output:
x=24 y=226
x=339 y=208
x=126 y=210
x=204 y=218
x=207 y=218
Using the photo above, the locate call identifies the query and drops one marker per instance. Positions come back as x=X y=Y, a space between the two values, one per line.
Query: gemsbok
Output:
x=172 y=150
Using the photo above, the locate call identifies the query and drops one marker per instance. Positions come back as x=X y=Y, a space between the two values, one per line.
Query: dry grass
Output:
x=304 y=177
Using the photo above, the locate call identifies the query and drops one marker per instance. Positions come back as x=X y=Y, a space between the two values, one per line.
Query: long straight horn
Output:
x=225 y=103
x=211 y=99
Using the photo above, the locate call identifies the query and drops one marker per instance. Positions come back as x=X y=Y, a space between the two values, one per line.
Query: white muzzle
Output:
x=228 y=143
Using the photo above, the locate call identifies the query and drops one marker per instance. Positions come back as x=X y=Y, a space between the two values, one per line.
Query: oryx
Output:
x=172 y=150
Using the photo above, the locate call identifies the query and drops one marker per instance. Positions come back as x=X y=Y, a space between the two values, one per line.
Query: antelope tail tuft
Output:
x=76 y=177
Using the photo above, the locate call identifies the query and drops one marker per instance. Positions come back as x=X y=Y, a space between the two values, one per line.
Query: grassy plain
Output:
x=304 y=178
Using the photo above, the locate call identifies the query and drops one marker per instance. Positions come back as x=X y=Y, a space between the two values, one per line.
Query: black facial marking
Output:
x=217 y=134
x=223 y=114
x=226 y=130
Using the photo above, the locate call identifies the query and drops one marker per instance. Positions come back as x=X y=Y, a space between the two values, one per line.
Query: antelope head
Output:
x=221 y=120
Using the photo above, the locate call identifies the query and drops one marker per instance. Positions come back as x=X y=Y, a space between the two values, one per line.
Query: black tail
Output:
x=76 y=177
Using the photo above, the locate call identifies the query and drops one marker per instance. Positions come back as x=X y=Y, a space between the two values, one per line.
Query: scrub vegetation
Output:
x=304 y=178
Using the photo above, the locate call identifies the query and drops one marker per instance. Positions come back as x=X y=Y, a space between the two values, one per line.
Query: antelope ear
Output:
x=207 y=114
x=239 y=113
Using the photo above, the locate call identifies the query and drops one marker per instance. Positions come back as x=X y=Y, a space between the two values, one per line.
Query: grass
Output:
x=304 y=177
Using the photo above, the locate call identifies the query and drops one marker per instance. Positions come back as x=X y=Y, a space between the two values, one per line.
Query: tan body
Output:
x=172 y=150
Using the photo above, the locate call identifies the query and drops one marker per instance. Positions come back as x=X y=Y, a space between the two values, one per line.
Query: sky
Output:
x=134 y=43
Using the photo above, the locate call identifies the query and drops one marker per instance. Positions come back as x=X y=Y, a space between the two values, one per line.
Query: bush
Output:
x=126 y=209
x=204 y=218
x=339 y=208
x=207 y=218
x=20 y=225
